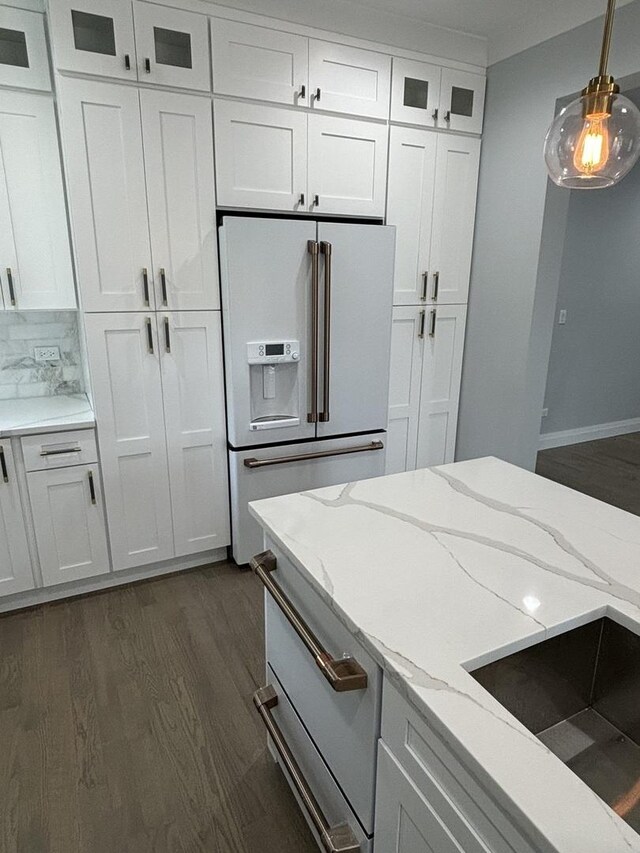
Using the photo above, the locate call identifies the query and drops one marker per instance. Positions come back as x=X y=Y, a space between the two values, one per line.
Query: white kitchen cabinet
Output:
x=461 y=101
x=259 y=63
x=454 y=213
x=15 y=564
x=193 y=390
x=69 y=523
x=440 y=385
x=35 y=255
x=348 y=79
x=123 y=355
x=412 y=169
x=415 y=92
x=93 y=37
x=261 y=156
x=407 y=350
x=102 y=140
x=347 y=166
x=178 y=156
x=172 y=46
x=24 y=60
x=407 y=822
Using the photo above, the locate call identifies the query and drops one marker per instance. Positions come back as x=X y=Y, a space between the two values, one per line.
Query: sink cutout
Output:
x=579 y=693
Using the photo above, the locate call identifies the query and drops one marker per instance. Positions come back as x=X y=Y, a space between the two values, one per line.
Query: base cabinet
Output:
x=15 y=563
x=68 y=517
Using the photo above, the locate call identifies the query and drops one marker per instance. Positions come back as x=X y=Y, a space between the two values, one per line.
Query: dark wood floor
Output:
x=608 y=469
x=126 y=724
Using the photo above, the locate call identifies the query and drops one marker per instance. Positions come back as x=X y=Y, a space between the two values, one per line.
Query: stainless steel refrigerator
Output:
x=307 y=335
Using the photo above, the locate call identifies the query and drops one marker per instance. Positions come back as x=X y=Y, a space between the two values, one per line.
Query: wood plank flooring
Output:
x=126 y=724
x=607 y=469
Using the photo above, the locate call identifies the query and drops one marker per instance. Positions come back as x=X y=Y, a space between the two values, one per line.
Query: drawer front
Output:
x=344 y=726
x=59 y=449
x=463 y=805
x=315 y=772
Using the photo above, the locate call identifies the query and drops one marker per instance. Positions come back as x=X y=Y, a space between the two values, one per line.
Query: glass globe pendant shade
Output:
x=594 y=141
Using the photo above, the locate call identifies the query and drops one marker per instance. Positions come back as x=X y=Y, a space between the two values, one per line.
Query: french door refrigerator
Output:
x=307 y=334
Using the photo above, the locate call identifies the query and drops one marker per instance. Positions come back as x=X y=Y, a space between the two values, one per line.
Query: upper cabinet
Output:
x=259 y=63
x=349 y=80
x=431 y=96
x=35 y=256
x=146 y=42
x=23 y=50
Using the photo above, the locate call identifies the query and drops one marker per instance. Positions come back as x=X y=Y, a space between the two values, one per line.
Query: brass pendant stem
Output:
x=606 y=37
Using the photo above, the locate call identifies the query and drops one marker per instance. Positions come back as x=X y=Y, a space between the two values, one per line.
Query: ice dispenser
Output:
x=273 y=367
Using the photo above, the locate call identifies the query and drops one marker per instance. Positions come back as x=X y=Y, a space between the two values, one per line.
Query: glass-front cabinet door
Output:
x=173 y=46
x=462 y=101
x=415 y=92
x=23 y=50
x=94 y=37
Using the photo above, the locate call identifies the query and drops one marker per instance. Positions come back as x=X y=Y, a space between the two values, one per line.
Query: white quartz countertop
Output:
x=441 y=570
x=45 y=414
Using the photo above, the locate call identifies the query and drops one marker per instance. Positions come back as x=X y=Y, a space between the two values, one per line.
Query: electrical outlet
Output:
x=562 y=316
x=46 y=353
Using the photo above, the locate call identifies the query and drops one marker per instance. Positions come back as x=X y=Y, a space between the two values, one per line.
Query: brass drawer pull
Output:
x=252 y=462
x=343 y=674
x=335 y=839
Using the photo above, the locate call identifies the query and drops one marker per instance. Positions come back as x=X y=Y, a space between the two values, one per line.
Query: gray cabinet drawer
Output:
x=344 y=726
x=59 y=449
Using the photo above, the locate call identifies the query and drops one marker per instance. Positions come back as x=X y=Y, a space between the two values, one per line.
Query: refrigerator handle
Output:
x=326 y=249
x=312 y=248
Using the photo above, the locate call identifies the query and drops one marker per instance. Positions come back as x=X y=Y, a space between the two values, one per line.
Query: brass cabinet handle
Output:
x=326 y=249
x=436 y=286
x=147 y=65
x=303 y=91
x=60 y=450
x=421 y=331
x=145 y=285
x=149 y=335
x=127 y=62
x=335 y=839
x=447 y=115
x=301 y=199
x=163 y=285
x=343 y=674
x=317 y=94
x=425 y=284
x=434 y=115
x=12 y=292
x=318 y=454
x=432 y=323
x=3 y=466
x=92 y=488
x=316 y=201
x=167 y=335
x=313 y=248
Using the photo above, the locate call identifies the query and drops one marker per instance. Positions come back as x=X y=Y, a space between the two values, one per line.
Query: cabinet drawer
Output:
x=59 y=449
x=334 y=806
x=452 y=790
x=344 y=725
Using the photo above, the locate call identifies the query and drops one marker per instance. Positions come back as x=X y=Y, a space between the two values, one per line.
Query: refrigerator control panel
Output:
x=273 y=352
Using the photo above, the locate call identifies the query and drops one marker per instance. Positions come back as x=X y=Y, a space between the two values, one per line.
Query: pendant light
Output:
x=595 y=140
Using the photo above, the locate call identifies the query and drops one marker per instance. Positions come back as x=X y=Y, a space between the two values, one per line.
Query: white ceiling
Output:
x=510 y=26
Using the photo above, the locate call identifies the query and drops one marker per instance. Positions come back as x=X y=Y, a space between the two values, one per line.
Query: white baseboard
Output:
x=68 y=590
x=589 y=433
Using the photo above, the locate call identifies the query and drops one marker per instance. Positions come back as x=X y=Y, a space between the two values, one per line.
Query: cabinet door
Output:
x=347 y=166
x=407 y=347
x=415 y=92
x=440 y=393
x=178 y=149
x=406 y=822
x=454 y=213
x=94 y=37
x=102 y=138
x=35 y=255
x=172 y=46
x=193 y=388
x=259 y=63
x=349 y=80
x=412 y=167
x=68 y=517
x=131 y=436
x=24 y=61
x=15 y=564
x=462 y=101
x=261 y=157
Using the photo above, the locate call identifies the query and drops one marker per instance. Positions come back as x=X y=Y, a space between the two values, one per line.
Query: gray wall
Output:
x=594 y=375
x=513 y=286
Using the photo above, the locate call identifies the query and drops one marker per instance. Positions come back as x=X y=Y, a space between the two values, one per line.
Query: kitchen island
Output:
x=433 y=574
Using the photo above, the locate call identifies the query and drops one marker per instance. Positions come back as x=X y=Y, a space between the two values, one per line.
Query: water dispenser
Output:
x=273 y=367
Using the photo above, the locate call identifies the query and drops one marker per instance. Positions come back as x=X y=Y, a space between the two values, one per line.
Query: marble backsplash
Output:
x=20 y=374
